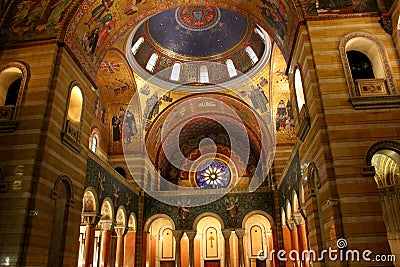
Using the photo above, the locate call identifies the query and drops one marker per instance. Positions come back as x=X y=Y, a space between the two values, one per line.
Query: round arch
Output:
x=288 y=208
x=132 y=225
x=121 y=216
x=150 y=220
x=208 y=214
x=107 y=209
x=90 y=194
x=391 y=149
x=259 y=212
x=295 y=202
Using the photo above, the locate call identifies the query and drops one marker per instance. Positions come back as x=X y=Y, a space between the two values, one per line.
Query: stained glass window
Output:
x=213 y=174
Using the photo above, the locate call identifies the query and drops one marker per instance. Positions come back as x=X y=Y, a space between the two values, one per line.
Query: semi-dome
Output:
x=197 y=45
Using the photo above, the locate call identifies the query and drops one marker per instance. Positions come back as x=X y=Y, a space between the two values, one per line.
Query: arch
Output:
x=259 y=212
x=107 y=209
x=208 y=214
x=375 y=50
x=379 y=146
x=152 y=62
x=150 y=220
x=176 y=72
x=120 y=169
x=90 y=200
x=252 y=55
x=95 y=135
x=289 y=214
x=231 y=68
x=73 y=117
x=302 y=197
x=132 y=225
x=70 y=189
x=137 y=45
x=312 y=178
x=203 y=74
x=283 y=216
x=14 y=78
x=121 y=216
x=295 y=202
x=299 y=88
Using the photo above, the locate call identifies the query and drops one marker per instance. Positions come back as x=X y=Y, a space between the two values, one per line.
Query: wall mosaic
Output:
x=106 y=185
x=232 y=208
x=291 y=181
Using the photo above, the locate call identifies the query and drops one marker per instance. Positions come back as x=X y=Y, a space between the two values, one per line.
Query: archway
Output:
x=209 y=247
x=259 y=240
x=385 y=158
x=159 y=242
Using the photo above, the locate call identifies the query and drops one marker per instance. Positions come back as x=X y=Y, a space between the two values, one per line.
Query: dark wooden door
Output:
x=261 y=263
x=167 y=264
x=211 y=263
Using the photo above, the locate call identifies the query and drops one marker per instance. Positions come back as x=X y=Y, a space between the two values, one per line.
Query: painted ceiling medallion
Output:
x=197 y=18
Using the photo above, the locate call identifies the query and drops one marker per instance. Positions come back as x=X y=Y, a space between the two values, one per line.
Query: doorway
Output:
x=211 y=263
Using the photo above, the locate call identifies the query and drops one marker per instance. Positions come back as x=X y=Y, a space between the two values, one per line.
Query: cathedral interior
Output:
x=203 y=133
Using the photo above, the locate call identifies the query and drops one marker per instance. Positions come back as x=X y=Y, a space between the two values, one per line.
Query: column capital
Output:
x=177 y=234
x=291 y=225
x=239 y=233
x=120 y=230
x=190 y=234
x=89 y=217
x=226 y=233
x=106 y=224
x=298 y=219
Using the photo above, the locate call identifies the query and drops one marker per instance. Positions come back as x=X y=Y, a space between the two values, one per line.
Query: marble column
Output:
x=106 y=226
x=294 y=241
x=227 y=234
x=191 y=235
x=240 y=235
x=130 y=248
x=119 y=256
x=302 y=238
x=89 y=220
x=178 y=236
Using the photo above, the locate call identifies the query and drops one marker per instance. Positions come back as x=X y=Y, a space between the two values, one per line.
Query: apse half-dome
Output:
x=197 y=45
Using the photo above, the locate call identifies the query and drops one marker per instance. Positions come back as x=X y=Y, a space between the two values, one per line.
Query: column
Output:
x=302 y=238
x=294 y=241
x=287 y=244
x=106 y=226
x=191 y=234
x=178 y=235
x=119 y=255
x=240 y=234
x=130 y=248
x=89 y=220
x=227 y=234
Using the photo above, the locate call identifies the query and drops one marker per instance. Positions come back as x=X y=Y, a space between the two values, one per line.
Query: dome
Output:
x=197 y=45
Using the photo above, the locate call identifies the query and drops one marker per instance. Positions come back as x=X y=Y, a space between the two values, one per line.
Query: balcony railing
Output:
x=7 y=119
x=71 y=136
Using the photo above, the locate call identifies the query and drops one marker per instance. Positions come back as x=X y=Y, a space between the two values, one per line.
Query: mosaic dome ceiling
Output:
x=198 y=31
x=196 y=36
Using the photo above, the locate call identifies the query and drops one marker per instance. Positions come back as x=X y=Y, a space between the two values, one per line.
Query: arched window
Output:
x=368 y=72
x=260 y=33
x=94 y=143
x=252 y=55
x=75 y=105
x=176 y=72
x=204 y=74
x=137 y=45
x=13 y=78
x=71 y=134
x=231 y=68
x=298 y=85
x=121 y=171
x=152 y=62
